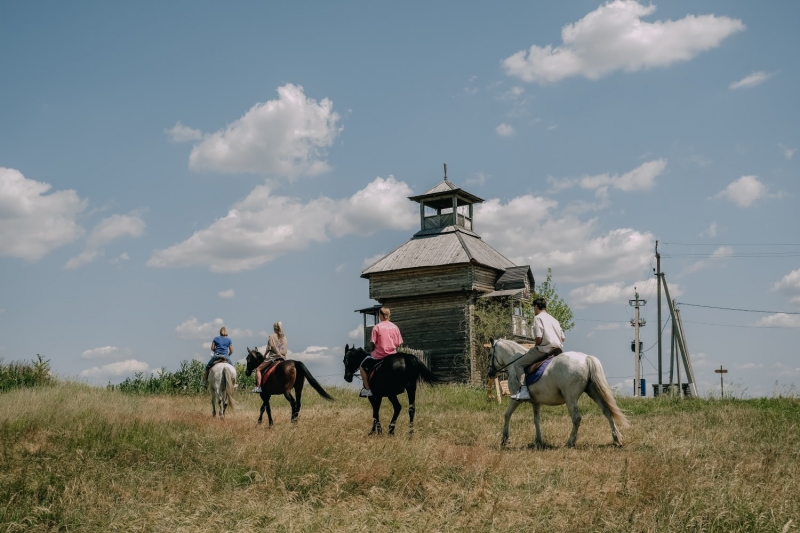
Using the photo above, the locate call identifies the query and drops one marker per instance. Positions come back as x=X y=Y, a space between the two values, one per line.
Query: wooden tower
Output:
x=432 y=282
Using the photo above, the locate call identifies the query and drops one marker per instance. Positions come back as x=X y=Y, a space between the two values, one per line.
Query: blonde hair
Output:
x=223 y=331
x=278 y=328
x=385 y=313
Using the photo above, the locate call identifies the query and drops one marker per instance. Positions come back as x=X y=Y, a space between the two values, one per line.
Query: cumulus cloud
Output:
x=193 y=329
x=790 y=284
x=617 y=292
x=368 y=261
x=122 y=257
x=787 y=152
x=504 y=130
x=614 y=37
x=264 y=226
x=35 y=223
x=720 y=253
x=746 y=191
x=119 y=369
x=104 y=352
x=312 y=353
x=357 y=334
x=779 y=320
x=529 y=230
x=751 y=80
x=226 y=294
x=710 y=231
x=105 y=232
x=285 y=137
x=181 y=133
x=604 y=327
x=641 y=178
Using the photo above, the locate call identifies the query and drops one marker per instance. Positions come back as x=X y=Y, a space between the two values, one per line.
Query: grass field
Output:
x=77 y=458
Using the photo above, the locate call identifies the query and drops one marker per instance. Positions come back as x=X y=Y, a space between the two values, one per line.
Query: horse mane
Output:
x=514 y=344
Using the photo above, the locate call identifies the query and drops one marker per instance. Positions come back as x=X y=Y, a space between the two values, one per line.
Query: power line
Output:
x=726 y=244
x=739 y=326
x=778 y=255
x=743 y=310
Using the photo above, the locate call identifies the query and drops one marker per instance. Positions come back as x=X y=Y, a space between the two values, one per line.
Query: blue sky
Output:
x=166 y=168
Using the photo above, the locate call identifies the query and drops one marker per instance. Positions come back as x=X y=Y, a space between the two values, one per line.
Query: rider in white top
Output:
x=548 y=334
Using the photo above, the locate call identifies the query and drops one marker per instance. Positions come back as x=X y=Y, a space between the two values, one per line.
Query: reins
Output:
x=494 y=359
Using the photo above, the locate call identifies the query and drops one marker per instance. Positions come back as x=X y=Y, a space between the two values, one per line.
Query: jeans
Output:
x=214 y=358
x=517 y=370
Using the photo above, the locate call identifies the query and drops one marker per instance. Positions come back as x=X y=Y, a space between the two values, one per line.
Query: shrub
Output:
x=23 y=374
x=187 y=380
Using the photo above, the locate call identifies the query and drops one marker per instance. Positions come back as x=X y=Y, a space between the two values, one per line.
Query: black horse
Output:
x=287 y=376
x=396 y=374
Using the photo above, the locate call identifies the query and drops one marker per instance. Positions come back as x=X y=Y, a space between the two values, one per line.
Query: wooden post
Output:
x=687 y=361
x=721 y=371
x=422 y=215
x=658 y=303
x=679 y=339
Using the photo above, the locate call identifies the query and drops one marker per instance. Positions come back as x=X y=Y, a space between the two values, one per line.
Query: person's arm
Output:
x=373 y=338
x=213 y=346
x=230 y=349
x=538 y=331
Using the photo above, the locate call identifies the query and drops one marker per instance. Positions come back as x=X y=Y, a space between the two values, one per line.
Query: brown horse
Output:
x=287 y=376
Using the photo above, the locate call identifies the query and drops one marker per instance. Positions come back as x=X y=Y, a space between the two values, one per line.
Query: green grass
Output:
x=77 y=458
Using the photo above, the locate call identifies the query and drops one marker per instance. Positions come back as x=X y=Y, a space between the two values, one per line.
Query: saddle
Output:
x=371 y=366
x=267 y=372
x=218 y=360
x=535 y=366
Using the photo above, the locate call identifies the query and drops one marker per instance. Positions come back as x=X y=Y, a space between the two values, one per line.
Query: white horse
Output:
x=222 y=382
x=566 y=377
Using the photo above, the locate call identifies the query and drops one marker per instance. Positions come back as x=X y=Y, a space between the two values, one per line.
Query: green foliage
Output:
x=23 y=374
x=187 y=380
x=556 y=305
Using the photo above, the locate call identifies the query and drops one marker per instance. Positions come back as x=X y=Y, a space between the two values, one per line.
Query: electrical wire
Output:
x=726 y=244
x=738 y=309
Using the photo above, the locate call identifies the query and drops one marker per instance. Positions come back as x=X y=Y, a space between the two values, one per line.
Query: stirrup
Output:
x=520 y=396
x=365 y=393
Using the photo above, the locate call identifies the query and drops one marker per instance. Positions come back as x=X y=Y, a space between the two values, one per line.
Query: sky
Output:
x=169 y=168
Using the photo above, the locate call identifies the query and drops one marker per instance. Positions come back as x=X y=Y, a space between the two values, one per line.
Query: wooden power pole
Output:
x=637 y=361
x=658 y=304
x=721 y=371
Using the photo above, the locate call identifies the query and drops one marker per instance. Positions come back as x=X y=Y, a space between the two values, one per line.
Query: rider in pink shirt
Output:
x=384 y=342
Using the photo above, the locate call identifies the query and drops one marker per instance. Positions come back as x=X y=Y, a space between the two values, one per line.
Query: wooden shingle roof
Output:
x=449 y=247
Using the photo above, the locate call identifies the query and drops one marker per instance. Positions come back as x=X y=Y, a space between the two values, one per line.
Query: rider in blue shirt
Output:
x=221 y=346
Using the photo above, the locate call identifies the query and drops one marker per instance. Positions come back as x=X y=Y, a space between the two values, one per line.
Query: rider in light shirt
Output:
x=548 y=335
x=384 y=342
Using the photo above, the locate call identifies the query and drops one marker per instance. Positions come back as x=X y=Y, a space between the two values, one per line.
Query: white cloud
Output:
x=34 y=224
x=263 y=227
x=614 y=37
x=790 y=284
x=122 y=257
x=181 y=133
x=226 y=294
x=193 y=329
x=787 y=152
x=284 y=137
x=748 y=365
x=604 y=327
x=504 y=130
x=529 y=230
x=105 y=232
x=368 y=261
x=751 y=80
x=357 y=334
x=711 y=231
x=339 y=269
x=780 y=320
x=312 y=353
x=720 y=253
x=104 y=352
x=641 y=178
x=119 y=369
x=594 y=294
x=746 y=191
x=478 y=179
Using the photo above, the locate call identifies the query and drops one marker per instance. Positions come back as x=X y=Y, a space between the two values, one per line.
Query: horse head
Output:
x=491 y=372
x=254 y=358
x=352 y=360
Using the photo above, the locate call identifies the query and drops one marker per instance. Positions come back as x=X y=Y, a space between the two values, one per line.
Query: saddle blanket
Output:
x=270 y=370
x=530 y=379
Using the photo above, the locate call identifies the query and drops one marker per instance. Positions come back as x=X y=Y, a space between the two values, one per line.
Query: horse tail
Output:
x=598 y=378
x=424 y=373
x=303 y=372
x=227 y=387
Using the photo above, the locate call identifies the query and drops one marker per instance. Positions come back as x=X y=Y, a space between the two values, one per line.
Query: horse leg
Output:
x=213 y=403
x=512 y=406
x=412 y=396
x=572 y=406
x=261 y=412
x=537 y=421
x=295 y=406
x=397 y=408
x=598 y=399
x=376 y=413
x=269 y=410
x=298 y=393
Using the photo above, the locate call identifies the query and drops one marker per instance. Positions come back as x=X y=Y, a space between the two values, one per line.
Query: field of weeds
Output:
x=77 y=458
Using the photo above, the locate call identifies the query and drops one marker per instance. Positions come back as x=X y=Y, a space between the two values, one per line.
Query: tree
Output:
x=556 y=305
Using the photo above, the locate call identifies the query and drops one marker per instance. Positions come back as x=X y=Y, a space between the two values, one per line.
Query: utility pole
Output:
x=721 y=371
x=637 y=361
x=658 y=303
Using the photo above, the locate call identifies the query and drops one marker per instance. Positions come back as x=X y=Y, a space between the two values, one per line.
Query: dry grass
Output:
x=76 y=458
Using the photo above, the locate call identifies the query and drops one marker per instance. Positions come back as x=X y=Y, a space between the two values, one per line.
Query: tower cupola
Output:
x=445 y=205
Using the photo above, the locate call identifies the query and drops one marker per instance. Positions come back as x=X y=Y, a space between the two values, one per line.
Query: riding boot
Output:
x=205 y=377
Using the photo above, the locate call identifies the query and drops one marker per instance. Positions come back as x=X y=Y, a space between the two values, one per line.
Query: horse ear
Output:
x=248 y=349
x=491 y=341
x=346 y=348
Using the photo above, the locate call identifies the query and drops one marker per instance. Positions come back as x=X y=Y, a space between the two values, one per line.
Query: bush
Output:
x=187 y=380
x=23 y=374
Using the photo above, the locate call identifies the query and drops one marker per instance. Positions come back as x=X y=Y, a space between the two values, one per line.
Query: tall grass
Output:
x=187 y=380
x=76 y=458
x=25 y=374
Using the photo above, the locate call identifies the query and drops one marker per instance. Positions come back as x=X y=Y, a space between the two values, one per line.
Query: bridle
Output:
x=493 y=370
x=347 y=371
